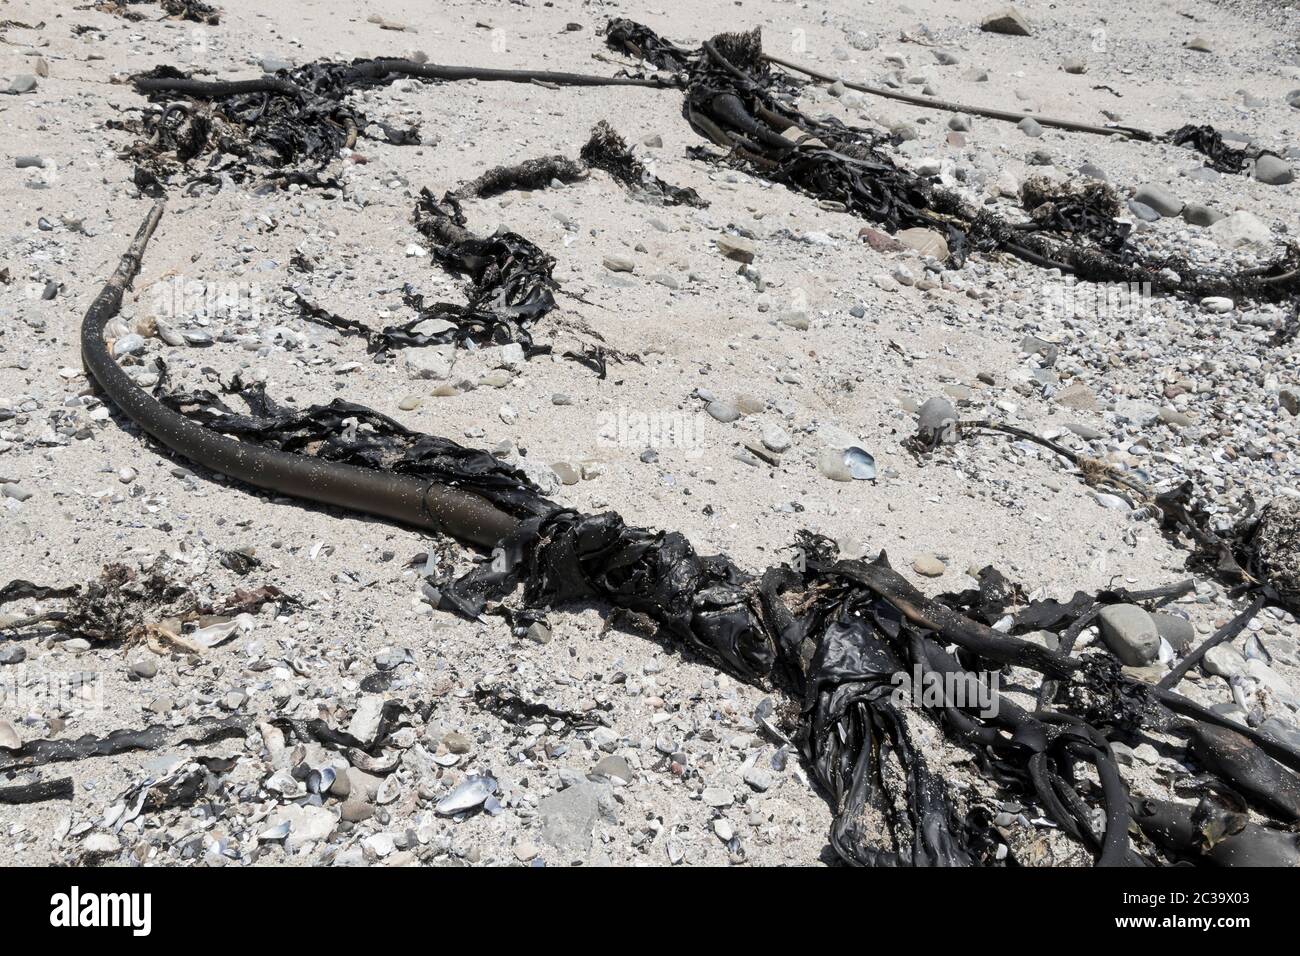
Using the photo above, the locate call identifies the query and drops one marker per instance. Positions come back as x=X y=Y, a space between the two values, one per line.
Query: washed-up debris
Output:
x=474 y=792
x=1261 y=552
x=735 y=100
x=345 y=432
x=606 y=150
x=1088 y=209
x=1208 y=141
x=285 y=128
x=513 y=709
x=529 y=175
x=124 y=605
x=835 y=633
x=195 y=11
x=19 y=589
x=183 y=786
x=36 y=753
x=39 y=792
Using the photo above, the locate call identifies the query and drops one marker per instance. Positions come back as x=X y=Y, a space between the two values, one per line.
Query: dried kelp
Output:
x=513 y=709
x=510 y=286
x=1208 y=141
x=354 y=434
x=1259 y=553
x=285 y=128
x=1088 y=209
x=606 y=150
x=510 y=279
x=837 y=635
x=194 y=11
x=36 y=753
x=126 y=605
x=529 y=175
x=734 y=99
x=279 y=130
x=19 y=589
x=39 y=792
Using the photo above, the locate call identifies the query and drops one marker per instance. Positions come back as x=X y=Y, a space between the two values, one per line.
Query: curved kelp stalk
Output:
x=841 y=637
x=403 y=498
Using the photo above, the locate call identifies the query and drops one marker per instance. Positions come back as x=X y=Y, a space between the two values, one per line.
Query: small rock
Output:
x=1007 y=21
x=614 y=766
x=736 y=248
x=927 y=565
x=429 y=362
x=724 y=412
x=1273 y=170
x=927 y=242
x=457 y=743
x=619 y=264
x=1130 y=633
x=1159 y=198
x=22 y=83
x=717 y=797
x=1177 y=631
x=365 y=720
x=145 y=668
x=1197 y=215
x=775 y=438
x=1075 y=65
x=1030 y=127
x=568 y=817
x=1224 y=661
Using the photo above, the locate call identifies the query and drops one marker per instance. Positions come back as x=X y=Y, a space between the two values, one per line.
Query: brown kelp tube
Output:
x=404 y=498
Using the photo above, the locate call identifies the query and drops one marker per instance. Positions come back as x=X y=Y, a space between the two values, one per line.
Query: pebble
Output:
x=569 y=816
x=1177 y=631
x=1240 y=229
x=927 y=565
x=1030 y=127
x=366 y=718
x=1159 y=198
x=568 y=473
x=619 y=264
x=722 y=411
x=775 y=438
x=429 y=362
x=1007 y=21
x=145 y=668
x=1130 y=633
x=15 y=491
x=1198 y=215
x=736 y=248
x=1224 y=661
x=22 y=83
x=1273 y=170
x=717 y=797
